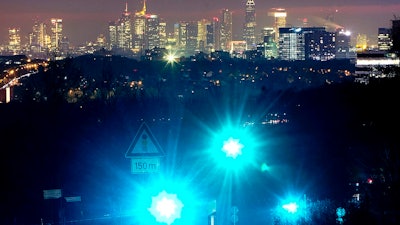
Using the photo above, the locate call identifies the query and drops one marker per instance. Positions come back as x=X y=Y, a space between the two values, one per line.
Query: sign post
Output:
x=145 y=152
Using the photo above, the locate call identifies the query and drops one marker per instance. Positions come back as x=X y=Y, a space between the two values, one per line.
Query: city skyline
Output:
x=84 y=21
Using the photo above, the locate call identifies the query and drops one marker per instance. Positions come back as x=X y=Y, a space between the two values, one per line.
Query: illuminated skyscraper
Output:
x=343 y=47
x=191 y=38
x=361 y=42
x=270 y=46
x=56 y=34
x=279 y=20
x=112 y=34
x=139 y=30
x=162 y=27
x=226 y=29
x=152 y=34
x=38 y=37
x=186 y=36
x=396 y=35
x=249 y=29
x=202 y=34
x=384 y=39
x=216 y=33
x=14 y=44
x=120 y=32
x=296 y=43
x=212 y=36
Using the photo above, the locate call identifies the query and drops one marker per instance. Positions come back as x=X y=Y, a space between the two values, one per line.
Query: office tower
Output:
x=152 y=33
x=139 y=30
x=291 y=44
x=124 y=35
x=56 y=34
x=37 y=39
x=306 y=43
x=279 y=20
x=101 y=41
x=384 y=39
x=180 y=34
x=202 y=34
x=14 y=43
x=361 y=42
x=226 y=29
x=120 y=32
x=343 y=48
x=112 y=35
x=163 y=34
x=268 y=40
x=209 y=45
x=319 y=44
x=216 y=33
x=396 y=35
x=249 y=29
x=186 y=36
x=191 y=38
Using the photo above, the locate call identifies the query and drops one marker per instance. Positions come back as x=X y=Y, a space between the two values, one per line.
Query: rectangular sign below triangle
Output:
x=144 y=144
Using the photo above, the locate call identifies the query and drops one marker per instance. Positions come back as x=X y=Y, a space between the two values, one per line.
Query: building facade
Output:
x=279 y=16
x=384 y=39
x=226 y=30
x=249 y=28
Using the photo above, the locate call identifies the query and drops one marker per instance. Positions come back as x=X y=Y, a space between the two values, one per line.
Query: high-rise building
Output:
x=226 y=29
x=38 y=37
x=296 y=43
x=152 y=33
x=112 y=35
x=249 y=29
x=180 y=34
x=14 y=43
x=291 y=44
x=384 y=39
x=120 y=32
x=396 y=35
x=216 y=29
x=56 y=34
x=139 y=30
x=191 y=38
x=210 y=36
x=269 y=44
x=343 y=47
x=163 y=34
x=279 y=15
x=319 y=44
x=202 y=34
x=361 y=42
x=186 y=36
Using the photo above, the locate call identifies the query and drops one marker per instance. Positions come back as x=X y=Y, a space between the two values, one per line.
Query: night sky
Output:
x=84 y=20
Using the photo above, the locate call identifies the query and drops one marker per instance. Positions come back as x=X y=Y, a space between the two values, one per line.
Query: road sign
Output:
x=144 y=144
x=145 y=165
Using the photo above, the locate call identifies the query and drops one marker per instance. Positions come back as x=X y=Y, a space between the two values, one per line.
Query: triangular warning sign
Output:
x=144 y=144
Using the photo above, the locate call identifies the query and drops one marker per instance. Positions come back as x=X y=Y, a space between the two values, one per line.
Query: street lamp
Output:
x=232 y=147
x=233 y=150
x=166 y=207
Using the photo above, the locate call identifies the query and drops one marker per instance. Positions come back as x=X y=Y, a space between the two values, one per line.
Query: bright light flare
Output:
x=170 y=58
x=232 y=147
x=291 y=207
x=166 y=207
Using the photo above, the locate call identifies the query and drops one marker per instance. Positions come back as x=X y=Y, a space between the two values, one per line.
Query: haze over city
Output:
x=85 y=20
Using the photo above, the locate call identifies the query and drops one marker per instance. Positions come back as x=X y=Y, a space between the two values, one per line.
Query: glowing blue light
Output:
x=232 y=147
x=166 y=207
x=291 y=207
